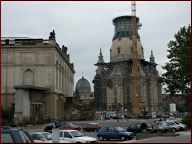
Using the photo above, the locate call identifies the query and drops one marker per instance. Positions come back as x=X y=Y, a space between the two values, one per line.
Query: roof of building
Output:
x=129 y=17
x=83 y=85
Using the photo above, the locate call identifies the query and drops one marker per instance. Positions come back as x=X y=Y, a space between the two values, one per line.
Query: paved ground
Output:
x=185 y=137
x=122 y=123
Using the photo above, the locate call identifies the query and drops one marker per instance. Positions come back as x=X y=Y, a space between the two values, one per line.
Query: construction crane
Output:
x=135 y=59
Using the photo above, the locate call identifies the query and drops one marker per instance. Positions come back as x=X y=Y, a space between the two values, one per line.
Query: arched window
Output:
x=28 y=77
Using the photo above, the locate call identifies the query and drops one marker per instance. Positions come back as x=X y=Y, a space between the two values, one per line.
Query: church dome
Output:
x=83 y=85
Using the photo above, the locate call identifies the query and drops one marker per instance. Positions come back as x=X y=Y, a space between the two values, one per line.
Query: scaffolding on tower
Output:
x=135 y=60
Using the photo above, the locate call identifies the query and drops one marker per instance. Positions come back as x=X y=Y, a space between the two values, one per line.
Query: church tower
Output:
x=113 y=82
x=121 y=48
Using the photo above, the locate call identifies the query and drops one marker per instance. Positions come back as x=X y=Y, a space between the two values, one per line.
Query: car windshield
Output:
x=76 y=134
x=47 y=136
x=119 y=129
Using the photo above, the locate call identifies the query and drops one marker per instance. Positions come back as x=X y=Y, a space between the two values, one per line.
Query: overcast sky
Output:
x=85 y=27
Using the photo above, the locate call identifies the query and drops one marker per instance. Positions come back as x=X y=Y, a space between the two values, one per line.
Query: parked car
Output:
x=107 y=117
x=91 y=127
x=114 y=132
x=172 y=126
x=171 y=118
x=40 y=137
x=61 y=126
x=128 y=116
x=136 y=128
x=50 y=126
x=15 y=135
x=75 y=136
x=160 y=127
x=44 y=137
x=69 y=126
x=117 y=116
x=163 y=126
x=162 y=115
x=181 y=125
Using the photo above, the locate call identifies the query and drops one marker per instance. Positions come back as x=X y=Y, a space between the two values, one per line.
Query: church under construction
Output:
x=113 y=82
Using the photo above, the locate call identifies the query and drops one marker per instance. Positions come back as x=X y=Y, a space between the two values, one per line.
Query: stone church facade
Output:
x=37 y=78
x=113 y=82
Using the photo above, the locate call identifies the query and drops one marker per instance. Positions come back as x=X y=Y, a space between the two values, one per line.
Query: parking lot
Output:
x=122 y=123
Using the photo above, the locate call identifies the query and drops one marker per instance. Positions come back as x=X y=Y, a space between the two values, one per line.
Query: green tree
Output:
x=177 y=75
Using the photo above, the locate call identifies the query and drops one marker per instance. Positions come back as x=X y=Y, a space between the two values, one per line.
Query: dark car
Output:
x=117 y=117
x=91 y=127
x=61 y=126
x=15 y=135
x=136 y=128
x=113 y=132
x=50 y=126
x=129 y=116
x=107 y=117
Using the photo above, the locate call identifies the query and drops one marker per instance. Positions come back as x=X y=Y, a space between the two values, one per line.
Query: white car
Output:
x=172 y=126
x=44 y=137
x=75 y=136
x=181 y=125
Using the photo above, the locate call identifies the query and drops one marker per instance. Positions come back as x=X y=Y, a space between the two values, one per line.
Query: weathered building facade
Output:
x=113 y=82
x=37 y=77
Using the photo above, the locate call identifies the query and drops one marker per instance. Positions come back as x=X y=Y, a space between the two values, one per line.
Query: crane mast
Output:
x=135 y=59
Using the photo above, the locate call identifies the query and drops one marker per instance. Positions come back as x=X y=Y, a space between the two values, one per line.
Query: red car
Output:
x=61 y=126
x=91 y=127
x=69 y=126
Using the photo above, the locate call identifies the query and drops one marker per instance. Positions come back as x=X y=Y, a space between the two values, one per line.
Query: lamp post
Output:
x=118 y=108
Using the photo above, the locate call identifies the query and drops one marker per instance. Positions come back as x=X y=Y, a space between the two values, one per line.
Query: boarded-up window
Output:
x=28 y=77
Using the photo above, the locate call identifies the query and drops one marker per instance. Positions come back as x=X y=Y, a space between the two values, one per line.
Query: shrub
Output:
x=8 y=115
x=187 y=120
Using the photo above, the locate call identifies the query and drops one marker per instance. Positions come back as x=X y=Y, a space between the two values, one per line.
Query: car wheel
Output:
x=100 y=138
x=173 y=130
x=122 y=138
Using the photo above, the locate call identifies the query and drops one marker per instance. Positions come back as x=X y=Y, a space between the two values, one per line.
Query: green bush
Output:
x=7 y=115
x=187 y=120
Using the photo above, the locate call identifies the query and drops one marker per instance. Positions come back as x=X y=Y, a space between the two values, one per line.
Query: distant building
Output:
x=37 y=77
x=113 y=82
x=178 y=99
x=84 y=89
x=81 y=107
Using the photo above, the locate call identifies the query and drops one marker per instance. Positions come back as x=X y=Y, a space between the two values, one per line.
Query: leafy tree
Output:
x=177 y=75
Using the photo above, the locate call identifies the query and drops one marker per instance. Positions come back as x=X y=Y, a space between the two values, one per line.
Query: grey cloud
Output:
x=85 y=27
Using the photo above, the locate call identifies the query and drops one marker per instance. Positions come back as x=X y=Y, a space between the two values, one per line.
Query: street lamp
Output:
x=118 y=108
